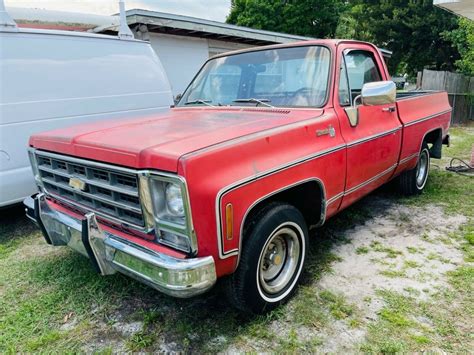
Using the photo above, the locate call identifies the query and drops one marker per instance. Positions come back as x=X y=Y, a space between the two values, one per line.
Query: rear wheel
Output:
x=272 y=258
x=412 y=182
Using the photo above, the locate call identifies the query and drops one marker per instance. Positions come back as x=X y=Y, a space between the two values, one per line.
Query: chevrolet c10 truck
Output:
x=263 y=144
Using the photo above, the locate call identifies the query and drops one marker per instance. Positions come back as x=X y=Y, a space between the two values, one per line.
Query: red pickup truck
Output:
x=263 y=144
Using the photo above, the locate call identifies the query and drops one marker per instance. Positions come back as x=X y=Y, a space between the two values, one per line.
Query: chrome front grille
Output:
x=109 y=191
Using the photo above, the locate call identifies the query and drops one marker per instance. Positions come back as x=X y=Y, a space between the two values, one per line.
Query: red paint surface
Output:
x=217 y=149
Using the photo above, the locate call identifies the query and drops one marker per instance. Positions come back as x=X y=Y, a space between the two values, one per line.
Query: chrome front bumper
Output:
x=110 y=253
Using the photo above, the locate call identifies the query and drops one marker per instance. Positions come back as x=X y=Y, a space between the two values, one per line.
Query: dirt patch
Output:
x=395 y=254
x=402 y=249
x=371 y=261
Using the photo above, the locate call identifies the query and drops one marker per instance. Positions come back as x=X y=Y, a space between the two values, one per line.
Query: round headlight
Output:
x=174 y=200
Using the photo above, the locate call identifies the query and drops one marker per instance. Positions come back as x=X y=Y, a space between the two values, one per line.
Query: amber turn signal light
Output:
x=229 y=221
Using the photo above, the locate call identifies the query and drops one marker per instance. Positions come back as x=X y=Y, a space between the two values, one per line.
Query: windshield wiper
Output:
x=199 y=101
x=257 y=101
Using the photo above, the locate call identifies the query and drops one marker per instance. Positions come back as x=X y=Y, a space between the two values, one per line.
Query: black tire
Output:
x=411 y=182
x=276 y=228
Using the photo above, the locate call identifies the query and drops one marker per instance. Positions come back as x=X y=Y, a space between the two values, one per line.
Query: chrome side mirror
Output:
x=379 y=93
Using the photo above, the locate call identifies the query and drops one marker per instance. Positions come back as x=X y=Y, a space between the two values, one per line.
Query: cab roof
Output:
x=332 y=43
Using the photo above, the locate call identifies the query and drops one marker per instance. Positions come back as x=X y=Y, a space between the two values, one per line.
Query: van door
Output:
x=373 y=145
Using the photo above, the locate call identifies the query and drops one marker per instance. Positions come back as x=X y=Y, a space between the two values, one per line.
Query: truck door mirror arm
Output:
x=353 y=112
x=353 y=115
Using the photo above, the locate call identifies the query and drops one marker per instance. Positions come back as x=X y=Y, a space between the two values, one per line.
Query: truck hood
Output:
x=158 y=141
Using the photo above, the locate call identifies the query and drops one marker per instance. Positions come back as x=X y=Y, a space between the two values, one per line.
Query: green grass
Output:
x=338 y=306
x=390 y=252
x=410 y=264
x=362 y=250
x=393 y=273
x=462 y=139
x=140 y=341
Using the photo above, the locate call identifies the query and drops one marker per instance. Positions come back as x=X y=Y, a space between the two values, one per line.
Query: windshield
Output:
x=286 y=77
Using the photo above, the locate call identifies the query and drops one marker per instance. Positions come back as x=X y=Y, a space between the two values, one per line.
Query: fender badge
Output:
x=77 y=184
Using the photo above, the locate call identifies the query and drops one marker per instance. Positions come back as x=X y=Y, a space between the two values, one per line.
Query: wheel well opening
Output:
x=434 y=138
x=307 y=197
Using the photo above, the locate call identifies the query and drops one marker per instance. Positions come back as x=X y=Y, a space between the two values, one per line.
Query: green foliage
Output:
x=420 y=34
x=410 y=28
x=462 y=39
x=312 y=18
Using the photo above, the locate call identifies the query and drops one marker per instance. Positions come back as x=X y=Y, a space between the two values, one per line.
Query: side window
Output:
x=344 y=92
x=361 y=69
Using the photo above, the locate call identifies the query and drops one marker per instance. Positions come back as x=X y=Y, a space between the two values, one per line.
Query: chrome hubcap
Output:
x=422 y=169
x=279 y=261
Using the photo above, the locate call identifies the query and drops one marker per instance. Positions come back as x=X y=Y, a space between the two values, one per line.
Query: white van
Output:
x=51 y=79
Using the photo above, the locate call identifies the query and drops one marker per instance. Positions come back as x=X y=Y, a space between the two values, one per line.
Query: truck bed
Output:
x=421 y=112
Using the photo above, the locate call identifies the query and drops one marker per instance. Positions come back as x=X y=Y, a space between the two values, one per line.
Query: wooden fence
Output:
x=460 y=90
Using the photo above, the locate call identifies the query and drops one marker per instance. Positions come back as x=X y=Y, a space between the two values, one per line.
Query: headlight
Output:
x=174 y=199
x=170 y=205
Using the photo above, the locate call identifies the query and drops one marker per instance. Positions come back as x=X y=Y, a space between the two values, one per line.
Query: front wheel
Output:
x=273 y=255
x=412 y=182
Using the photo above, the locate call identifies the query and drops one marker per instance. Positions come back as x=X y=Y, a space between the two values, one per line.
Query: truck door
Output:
x=373 y=145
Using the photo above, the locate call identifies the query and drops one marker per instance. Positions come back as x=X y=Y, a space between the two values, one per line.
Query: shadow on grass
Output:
x=204 y=323
x=14 y=224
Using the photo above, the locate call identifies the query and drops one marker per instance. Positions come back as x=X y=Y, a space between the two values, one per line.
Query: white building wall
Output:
x=181 y=57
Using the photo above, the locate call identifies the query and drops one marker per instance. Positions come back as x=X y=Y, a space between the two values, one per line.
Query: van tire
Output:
x=272 y=258
x=412 y=182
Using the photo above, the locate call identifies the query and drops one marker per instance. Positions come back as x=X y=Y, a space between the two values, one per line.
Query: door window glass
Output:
x=361 y=69
x=344 y=93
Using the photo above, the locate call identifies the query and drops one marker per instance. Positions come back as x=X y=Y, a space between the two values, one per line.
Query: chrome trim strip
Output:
x=375 y=136
x=84 y=161
x=334 y=198
x=372 y=179
x=96 y=197
x=247 y=180
x=105 y=216
x=89 y=181
x=408 y=158
x=427 y=118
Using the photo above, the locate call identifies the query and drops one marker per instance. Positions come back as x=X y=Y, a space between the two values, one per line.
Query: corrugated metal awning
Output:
x=463 y=8
x=190 y=26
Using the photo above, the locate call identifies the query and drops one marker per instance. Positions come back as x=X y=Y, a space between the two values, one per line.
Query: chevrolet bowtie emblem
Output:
x=77 y=184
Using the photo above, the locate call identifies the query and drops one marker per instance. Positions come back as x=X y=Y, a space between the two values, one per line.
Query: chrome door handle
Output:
x=389 y=109
x=328 y=131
